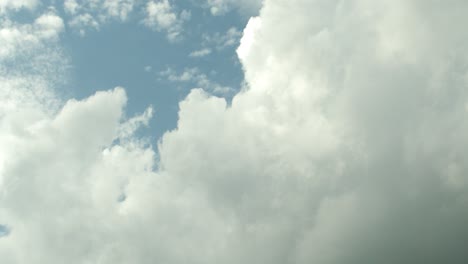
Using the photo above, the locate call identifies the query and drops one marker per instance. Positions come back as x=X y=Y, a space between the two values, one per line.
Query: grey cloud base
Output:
x=348 y=146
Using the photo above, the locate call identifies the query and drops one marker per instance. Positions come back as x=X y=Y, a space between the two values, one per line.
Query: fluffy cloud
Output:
x=71 y=6
x=348 y=146
x=162 y=16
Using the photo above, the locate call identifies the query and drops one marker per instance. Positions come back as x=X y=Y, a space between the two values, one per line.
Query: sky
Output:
x=118 y=48
x=222 y=131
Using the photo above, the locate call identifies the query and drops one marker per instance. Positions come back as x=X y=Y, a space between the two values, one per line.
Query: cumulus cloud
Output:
x=348 y=146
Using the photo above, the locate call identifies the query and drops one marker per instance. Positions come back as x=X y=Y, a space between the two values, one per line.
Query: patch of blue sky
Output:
x=4 y=231
x=131 y=55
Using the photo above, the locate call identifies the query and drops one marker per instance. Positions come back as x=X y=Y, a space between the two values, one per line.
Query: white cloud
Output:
x=49 y=26
x=348 y=146
x=17 y=38
x=195 y=77
x=6 y=5
x=162 y=16
x=221 y=7
x=71 y=6
x=83 y=22
x=200 y=53
x=221 y=41
x=31 y=65
x=118 y=8
x=128 y=129
x=247 y=40
x=217 y=41
x=90 y=14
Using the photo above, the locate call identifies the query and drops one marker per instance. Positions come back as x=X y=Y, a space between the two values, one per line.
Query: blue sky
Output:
x=132 y=55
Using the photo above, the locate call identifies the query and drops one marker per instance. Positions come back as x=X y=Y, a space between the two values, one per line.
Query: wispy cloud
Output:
x=18 y=38
x=221 y=7
x=90 y=14
x=200 y=53
x=218 y=42
x=15 y=5
x=162 y=16
x=195 y=77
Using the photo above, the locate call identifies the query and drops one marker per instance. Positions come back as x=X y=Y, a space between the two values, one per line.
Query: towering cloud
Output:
x=348 y=145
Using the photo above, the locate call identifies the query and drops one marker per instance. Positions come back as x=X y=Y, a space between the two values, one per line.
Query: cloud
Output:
x=228 y=39
x=15 y=5
x=162 y=16
x=195 y=77
x=30 y=64
x=347 y=146
x=217 y=41
x=128 y=129
x=221 y=7
x=200 y=53
x=16 y=37
x=82 y=22
x=90 y=14
x=118 y=8
x=71 y=6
